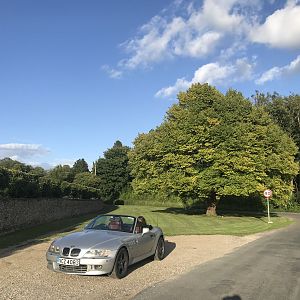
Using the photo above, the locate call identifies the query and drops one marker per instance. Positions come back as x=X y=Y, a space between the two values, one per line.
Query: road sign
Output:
x=268 y=193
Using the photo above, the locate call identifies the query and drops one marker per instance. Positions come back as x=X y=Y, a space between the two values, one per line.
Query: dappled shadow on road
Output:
x=169 y=247
x=44 y=232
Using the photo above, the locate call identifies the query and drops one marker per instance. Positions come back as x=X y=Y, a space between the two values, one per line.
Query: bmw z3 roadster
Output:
x=107 y=245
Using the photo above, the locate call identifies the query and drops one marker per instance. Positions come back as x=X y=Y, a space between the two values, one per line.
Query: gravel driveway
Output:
x=23 y=274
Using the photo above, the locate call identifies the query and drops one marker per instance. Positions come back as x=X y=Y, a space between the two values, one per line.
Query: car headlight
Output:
x=97 y=253
x=53 y=248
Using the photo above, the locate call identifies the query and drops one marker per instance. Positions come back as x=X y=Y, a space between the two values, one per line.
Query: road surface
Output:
x=266 y=269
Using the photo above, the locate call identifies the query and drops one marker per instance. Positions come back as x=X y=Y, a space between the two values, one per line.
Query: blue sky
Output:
x=75 y=76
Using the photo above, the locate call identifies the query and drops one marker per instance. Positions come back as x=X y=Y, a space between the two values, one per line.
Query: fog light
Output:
x=98 y=267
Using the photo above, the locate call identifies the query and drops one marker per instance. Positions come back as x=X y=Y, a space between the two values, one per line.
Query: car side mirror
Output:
x=145 y=230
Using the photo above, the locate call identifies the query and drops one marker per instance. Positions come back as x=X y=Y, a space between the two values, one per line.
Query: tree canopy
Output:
x=80 y=166
x=212 y=145
x=285 y=111
x=61 y=173
x=113 y=171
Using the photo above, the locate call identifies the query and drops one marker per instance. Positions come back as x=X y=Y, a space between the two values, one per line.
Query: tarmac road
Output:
x=266 y=269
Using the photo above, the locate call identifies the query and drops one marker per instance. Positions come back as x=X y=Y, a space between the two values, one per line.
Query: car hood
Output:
x=91 y=238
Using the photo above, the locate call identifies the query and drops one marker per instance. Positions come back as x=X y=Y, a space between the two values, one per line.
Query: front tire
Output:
x=160 y=249
x=120 y=269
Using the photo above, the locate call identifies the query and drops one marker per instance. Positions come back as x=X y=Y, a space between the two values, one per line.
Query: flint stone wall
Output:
x=16 y=214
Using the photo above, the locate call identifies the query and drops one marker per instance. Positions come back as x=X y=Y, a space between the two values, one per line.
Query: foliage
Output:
x=15 y=183
x=11 y=164
x=36 y=182
x=61 y=173
x=285 y=111
x=157 y=199
x=49 y=188
x=78 y=191
x=4 y=178
x=113 y=171
x=87 y=179
x=80 y=166
x=38 y=171
x=213 y=145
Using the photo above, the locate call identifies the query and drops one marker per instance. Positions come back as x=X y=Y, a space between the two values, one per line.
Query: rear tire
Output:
x=120 y=269
x=160 y=249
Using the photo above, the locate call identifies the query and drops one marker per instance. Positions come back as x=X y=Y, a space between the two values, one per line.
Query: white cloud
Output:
x=31 y=154
x=197 y=32
x=197 y=47
x=22 y=151
x=277 y=72
x=269 y=75
x=181 y=84
x=153 y=46
x=212 y=73
x=218 y=14
x=281 y=29
x=112 y=73
x=294 y=66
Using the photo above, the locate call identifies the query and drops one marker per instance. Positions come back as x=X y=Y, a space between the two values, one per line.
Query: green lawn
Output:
x=173 y=221
x=177 y=221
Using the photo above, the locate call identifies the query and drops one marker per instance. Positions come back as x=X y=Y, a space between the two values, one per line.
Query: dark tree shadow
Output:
x=234 y=297
x=227 y=213
x=180 y=210
x=258 y=215
x=169 y=247
x=22 y=239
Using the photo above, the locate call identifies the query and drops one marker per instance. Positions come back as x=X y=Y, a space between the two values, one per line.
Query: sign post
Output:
x=268 y=195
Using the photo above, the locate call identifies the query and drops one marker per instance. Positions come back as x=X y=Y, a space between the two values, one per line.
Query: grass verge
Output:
x=178 y=221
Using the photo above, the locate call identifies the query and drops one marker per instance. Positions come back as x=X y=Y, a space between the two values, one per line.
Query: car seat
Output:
x=114 y=225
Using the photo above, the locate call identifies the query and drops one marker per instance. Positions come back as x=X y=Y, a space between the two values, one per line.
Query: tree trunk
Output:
x=212 y=205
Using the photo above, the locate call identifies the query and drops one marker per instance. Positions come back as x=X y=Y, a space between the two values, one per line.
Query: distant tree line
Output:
x=210 y=148
x=21 y=180
x=107 y=179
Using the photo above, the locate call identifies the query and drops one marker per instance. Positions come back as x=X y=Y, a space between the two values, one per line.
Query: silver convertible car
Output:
x=107 y=245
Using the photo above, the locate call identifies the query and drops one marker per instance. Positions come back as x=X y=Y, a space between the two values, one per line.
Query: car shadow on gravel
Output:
x=169 y=247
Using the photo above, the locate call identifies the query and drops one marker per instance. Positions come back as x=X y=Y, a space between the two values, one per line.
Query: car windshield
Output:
x=113 y=222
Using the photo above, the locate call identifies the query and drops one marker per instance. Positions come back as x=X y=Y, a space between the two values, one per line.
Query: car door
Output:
x=145 y=243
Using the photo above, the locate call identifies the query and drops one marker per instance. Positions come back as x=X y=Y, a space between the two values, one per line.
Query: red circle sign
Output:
x=268 y=193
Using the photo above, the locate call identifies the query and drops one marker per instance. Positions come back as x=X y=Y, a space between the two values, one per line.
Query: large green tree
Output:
x=113 y=171
x=212 y=145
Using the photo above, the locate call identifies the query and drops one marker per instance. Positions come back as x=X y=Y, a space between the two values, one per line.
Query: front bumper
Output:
x=88 y=266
